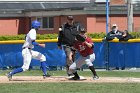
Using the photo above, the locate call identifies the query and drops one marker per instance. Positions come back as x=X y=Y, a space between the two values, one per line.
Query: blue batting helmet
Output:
x=36 y=24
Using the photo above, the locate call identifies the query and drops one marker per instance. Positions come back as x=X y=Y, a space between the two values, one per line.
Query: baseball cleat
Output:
x=44 y=76
x=95 y=77
x=9 y=76
x=70 y=74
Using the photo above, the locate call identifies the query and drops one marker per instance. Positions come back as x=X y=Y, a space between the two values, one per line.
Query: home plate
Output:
x=82 y=78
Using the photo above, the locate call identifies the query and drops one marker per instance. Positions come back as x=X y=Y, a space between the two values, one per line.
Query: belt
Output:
x=26 y=47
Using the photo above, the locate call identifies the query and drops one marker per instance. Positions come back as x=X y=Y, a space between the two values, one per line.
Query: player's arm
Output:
x=90 y=45
x=60 y=37
x=37 y=44
x=110 y=36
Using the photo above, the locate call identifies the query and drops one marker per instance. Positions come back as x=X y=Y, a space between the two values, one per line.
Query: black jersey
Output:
x=67 y=34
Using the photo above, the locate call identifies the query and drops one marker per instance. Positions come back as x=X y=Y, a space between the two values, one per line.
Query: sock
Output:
x=43 y=66
x=67 y=70
x=76 y=74
x=93 y=70
x=18 y=70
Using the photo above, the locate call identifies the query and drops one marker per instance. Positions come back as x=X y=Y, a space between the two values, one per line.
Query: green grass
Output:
x=83 y=73
x=72 y=87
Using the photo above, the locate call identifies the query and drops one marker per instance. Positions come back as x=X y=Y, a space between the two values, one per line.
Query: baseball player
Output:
x=66 y=38
x=85 y=48
x=28 y=53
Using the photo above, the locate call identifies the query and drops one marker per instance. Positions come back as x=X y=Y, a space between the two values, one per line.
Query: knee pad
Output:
x=43 y=58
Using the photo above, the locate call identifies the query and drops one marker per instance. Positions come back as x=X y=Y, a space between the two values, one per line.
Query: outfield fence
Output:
x=108 y=54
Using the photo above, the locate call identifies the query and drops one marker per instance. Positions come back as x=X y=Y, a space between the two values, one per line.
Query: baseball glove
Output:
x=80 y=38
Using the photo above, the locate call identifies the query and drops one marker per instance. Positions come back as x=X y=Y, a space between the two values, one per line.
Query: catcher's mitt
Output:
x=80 y=38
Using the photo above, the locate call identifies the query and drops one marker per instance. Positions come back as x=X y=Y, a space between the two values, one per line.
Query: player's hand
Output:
x=42 y=45
x=124 y=35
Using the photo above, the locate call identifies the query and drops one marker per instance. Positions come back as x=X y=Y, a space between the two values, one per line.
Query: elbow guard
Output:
x=35 y=43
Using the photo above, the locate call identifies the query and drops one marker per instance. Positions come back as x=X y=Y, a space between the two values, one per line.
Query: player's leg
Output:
x=10 y=74
x=89 y=59
x=94 y=72
x=73 y=54
x=39 y=56
x=44 y=69
x=73 y=68
x=26 y=62
x=69 y=58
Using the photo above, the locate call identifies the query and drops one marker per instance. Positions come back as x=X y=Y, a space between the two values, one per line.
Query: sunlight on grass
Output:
x=70 y=88
x=83 y=73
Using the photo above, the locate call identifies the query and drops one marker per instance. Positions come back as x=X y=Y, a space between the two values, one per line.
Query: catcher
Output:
x=84 y=46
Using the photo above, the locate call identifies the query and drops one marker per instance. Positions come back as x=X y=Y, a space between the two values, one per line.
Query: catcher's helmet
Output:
x=36 y=24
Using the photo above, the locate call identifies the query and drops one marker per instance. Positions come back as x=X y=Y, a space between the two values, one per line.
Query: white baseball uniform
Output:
x=27 y=51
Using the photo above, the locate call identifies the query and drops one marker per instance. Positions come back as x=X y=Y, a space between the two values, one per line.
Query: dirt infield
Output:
x=35 y=79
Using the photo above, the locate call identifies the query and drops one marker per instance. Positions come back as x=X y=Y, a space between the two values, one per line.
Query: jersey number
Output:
x=81 y=47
